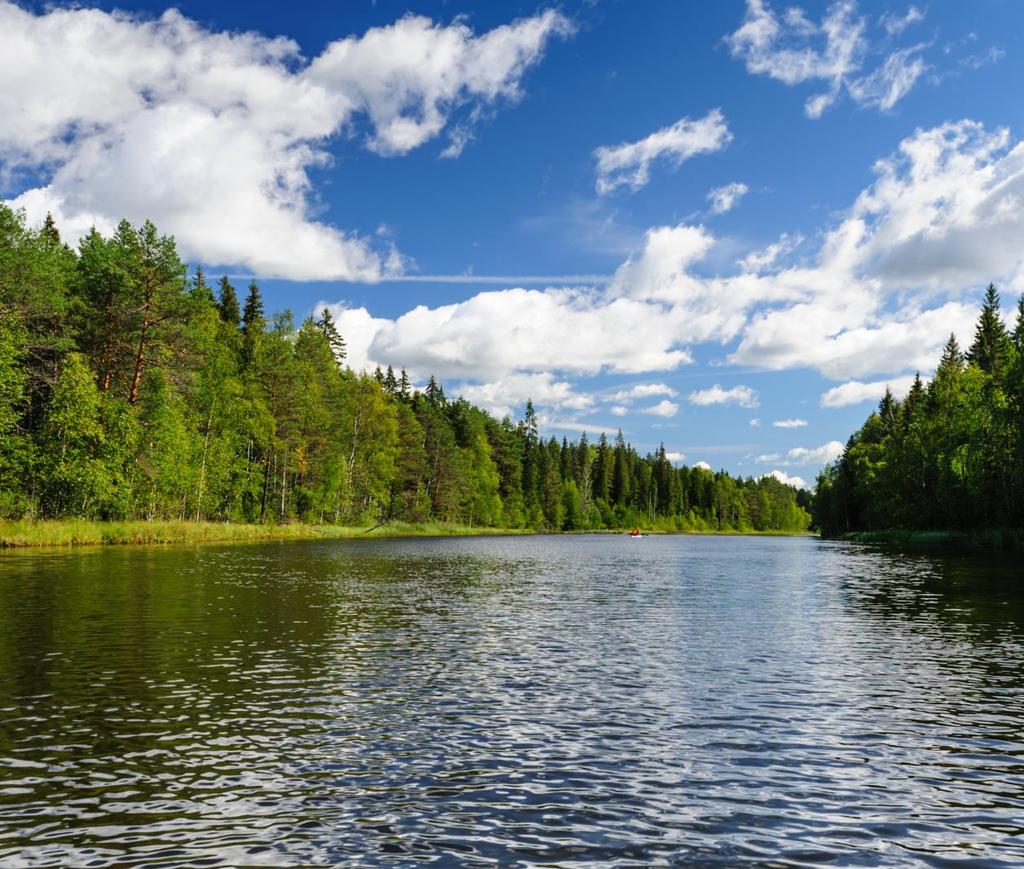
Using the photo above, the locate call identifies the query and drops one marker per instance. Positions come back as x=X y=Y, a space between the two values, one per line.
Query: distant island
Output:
x=947 y=460
x=130 y=389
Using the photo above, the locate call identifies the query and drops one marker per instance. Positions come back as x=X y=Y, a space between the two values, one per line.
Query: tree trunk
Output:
x=202 y=471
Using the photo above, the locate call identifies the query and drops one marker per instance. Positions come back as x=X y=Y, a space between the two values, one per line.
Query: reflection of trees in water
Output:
x=972 y=599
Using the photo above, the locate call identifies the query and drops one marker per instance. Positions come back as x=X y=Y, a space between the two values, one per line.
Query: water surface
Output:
x=591 y=700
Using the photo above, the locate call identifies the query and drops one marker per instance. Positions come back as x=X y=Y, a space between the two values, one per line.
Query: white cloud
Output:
x=762 y=260
x=788 y=480
x=794 y=50
x=497 y=332
x=704 y=465
x=855 y=391
x=789 y=423
x=755 y=423
x=663 y=408
x=767 y=458
x=895 y=24
x=877 y=299
x=675 y=457
x=744 y=396
x=619 y=410
x=510 y=393
x=410 y=76
x=643 y=390
x=892 y=81
x=723 y=198
x=629 y=164
x=213 y=134
x=815 y=455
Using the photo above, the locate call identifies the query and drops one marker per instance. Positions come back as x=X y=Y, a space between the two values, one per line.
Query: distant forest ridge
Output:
x=949 y=456
x=130 y=390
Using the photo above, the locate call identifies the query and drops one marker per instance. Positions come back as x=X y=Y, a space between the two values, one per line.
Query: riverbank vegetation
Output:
x=130 y=389
x=88 y=532
x=947 y=458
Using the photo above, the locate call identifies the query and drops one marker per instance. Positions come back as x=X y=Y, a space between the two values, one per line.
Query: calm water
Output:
x=511 y=700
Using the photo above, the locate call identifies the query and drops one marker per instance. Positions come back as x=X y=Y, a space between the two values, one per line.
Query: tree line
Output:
x=949 y=456
x=132 y=388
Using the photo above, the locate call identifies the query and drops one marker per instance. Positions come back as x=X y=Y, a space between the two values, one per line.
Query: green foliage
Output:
x=949 y=456
x=130 y=393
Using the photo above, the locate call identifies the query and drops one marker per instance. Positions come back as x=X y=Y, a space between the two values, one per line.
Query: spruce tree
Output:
x=991 y=348
x=253 y=324
x=227 y=304
x=199 y=289
x=329 y=329
x=404 y=387
x=1018 y=329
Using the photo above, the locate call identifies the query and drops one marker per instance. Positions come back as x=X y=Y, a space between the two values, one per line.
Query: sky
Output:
x=725 y=227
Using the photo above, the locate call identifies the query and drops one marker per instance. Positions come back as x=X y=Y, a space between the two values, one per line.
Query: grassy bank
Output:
x=1010 y=539
x=81 y=532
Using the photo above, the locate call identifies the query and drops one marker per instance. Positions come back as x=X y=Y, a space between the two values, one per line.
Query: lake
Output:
x=590 y=699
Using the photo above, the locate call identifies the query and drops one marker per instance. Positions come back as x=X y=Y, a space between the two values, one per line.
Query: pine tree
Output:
x=1018 y=329
x=199 y=289
x=404 y=387
x=530 y=422
x=330 y=331
x=390 y=384
x=991 y=348
x=253 y=325
x=888 y=411
x=49 y=231
x=227 y=304
x=952 y=359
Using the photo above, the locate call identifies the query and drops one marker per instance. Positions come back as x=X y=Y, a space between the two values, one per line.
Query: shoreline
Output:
x=72 y=533
x=1006 y=539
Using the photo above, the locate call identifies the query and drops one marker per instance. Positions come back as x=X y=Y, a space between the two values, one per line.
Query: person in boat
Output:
x=635 y=532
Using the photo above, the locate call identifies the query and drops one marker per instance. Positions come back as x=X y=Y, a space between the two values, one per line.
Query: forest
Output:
x=950 y=455
x=130 y=388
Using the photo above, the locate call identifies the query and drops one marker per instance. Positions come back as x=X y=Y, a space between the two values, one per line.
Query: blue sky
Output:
x=520 y=198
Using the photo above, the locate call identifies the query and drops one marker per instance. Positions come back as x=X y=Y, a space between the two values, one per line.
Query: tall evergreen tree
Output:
x=329 y=329
x=227 y=303
x=991 y=348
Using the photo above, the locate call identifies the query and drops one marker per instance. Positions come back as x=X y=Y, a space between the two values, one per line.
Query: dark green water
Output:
x=511 y=700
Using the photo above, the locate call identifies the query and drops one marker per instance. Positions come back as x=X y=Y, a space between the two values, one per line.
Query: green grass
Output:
x=990 y=538
x=83 y=532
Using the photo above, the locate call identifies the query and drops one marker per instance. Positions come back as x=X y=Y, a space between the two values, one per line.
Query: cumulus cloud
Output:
x=762 y=260
x=619 y=410
x=704 y=465
x=789 y=423
x=505 y=396
x=878 y=298
x=629 y=164
x=213 y=134
x=724 y=198
x=794 y=50
x=783 y=477
x=815 y=455
x=675 y=457
x=743 y=396
x=855 y=391
x=643 y=390
x=663 y=408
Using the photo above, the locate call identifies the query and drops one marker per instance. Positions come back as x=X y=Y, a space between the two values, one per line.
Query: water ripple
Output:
x=773 y=702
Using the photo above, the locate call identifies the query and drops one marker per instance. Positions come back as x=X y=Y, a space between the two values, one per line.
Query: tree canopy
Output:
x=950 y=456
x=129 y=390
